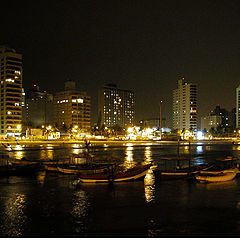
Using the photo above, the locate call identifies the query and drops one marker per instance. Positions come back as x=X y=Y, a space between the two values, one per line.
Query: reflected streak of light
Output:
x=19 y=155
x=76 y=151
x=128 y=163
x=149 y=187
x=18 y=147
x=129 y=144
x=41 y=177
x=148 y=155
x=80 y=210
x=46 y=154
x=199 y=148
x=149 y=144
x=14 y=217
x=105 y=147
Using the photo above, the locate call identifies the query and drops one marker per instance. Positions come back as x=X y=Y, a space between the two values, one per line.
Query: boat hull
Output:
x=175 y=174
x=220 y=177
x=136 y=173
x=217 y=178
x=83 y=169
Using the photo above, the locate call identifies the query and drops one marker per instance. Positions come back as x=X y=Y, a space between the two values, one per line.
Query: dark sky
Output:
x=140 y=45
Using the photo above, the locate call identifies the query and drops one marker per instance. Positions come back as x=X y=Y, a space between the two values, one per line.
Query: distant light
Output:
x=200 y=135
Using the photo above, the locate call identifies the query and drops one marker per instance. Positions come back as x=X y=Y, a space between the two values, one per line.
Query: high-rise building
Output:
x=223 y=113
x=232 y=118
x=116 y=106
x=211 y=121
x=185 y=106
x=72 y=107
x=11 y=91
x=38 y=109
x=153 y=123
x=238 y=107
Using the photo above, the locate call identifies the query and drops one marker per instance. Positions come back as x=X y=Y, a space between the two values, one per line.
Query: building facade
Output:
x=211 y=121
x=72 y=108
x=11 y=99
x=116 y=106
x=153 y=123
x=38 y=109
x=238 y=107
x=223 y=113
x=185 y=106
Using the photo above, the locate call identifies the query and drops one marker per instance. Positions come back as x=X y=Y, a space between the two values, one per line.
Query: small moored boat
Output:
x=179 y=173
x=131 y=174
x=83 y=168
x=220 y=177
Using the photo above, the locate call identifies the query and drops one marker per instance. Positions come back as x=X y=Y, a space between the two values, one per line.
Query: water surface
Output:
x=54 y=207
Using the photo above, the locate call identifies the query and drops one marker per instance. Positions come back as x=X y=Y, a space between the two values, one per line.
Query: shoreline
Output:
x=60 y=142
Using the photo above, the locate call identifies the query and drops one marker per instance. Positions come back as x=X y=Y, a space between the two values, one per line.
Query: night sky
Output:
x=139 y=45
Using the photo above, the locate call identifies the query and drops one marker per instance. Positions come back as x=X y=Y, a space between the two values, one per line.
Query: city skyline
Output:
x=143 y=47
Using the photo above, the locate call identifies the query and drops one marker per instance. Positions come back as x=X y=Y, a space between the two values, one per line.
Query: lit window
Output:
x=9 y=80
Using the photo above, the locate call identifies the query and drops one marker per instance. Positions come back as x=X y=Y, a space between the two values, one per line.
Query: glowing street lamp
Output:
x=130 y=130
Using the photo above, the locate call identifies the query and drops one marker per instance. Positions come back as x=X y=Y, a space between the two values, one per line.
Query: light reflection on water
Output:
x=129 y=161
x=77 y=151
x=147 y=155
x=14 y=218
x=199 y=149
x=166 y=208
x=149 y=186
x=80 y=210
x=47 y=154
x=19 y=155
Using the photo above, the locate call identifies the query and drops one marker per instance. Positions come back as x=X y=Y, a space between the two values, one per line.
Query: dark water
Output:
x=54 y=207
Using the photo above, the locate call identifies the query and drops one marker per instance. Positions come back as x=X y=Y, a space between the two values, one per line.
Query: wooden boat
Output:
x=212 y=171
x=179 y=173
x=82 y=168
x=221 y=166
x=220 y=177
x=85 y=163
x=131 y=174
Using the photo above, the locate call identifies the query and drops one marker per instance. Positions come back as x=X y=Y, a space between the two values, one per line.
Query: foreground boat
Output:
x=224 y=176
x=132 y=174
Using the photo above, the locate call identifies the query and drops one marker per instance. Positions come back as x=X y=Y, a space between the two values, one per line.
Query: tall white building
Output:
x=185 y=106
x=11 y=95
x=238 y=107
